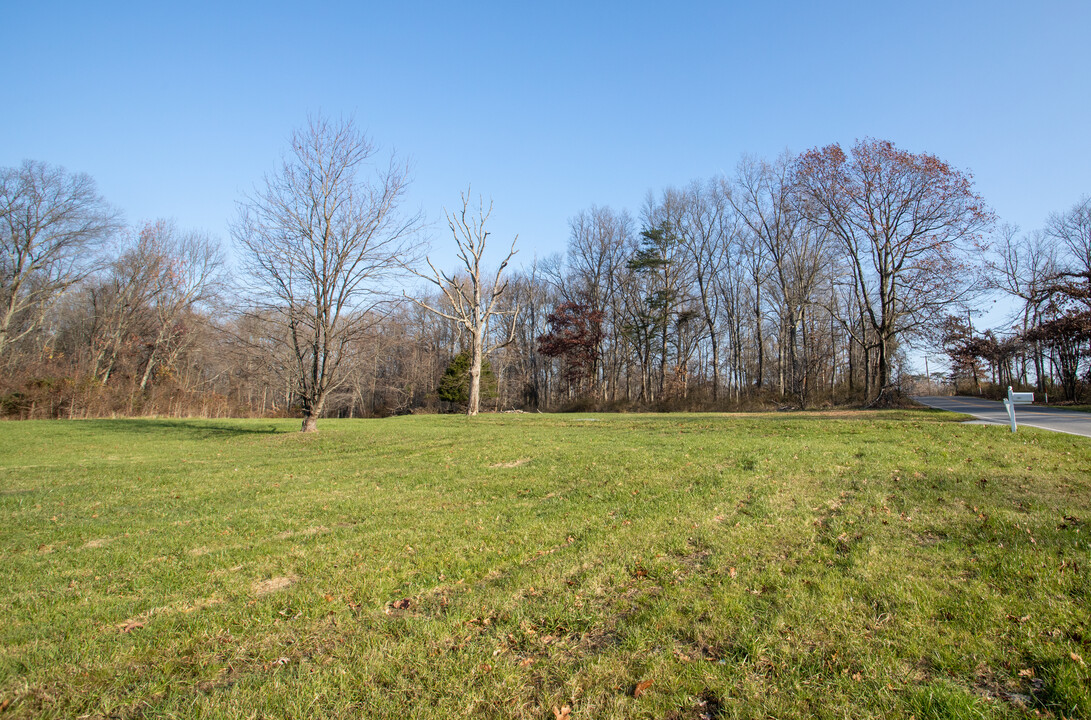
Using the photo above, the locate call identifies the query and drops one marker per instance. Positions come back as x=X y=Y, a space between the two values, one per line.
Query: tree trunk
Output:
x=474 y=404
x=311 y=411
x=884 y=364
x=852 y=363
x=148 y=369
x=663 y=359
x=865 y=350
x=1039 y=369
x=760 y=339
x=780 y=359
x=310 y=423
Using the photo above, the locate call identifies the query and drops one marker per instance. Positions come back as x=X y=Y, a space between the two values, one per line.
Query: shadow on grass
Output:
x=827 y=414
x=191 y=428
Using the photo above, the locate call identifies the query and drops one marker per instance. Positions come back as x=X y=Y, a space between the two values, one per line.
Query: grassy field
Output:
x=889 y=564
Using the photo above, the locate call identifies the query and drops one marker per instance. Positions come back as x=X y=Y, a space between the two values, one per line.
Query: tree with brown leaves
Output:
x=909 y=224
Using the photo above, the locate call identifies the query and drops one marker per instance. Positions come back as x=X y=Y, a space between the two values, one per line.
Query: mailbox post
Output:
x=1016 y=398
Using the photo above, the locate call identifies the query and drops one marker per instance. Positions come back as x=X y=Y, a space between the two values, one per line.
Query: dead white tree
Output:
x=473 y=302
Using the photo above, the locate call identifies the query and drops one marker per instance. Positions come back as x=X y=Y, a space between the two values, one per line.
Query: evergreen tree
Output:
x=454 y=386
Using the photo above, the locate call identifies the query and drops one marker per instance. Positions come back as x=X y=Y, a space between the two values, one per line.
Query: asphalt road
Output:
x=1046 y=418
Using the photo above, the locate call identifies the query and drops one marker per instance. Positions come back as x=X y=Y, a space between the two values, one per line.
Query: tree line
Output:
x=798 y=281
x=1046 y=343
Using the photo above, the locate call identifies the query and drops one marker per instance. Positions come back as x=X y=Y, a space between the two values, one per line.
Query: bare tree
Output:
x=319 y=242
x=187 y=273
x=117 y=307
x=472 y=299
x=596 y=259
x=1024 y=267
x=707 y=227
x=51 y=223
x=764 y=197
x=1073 y=230
x=907 y=223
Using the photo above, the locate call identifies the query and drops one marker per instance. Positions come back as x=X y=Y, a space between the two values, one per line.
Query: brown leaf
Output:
x=1076 y=657
x=732 y=572
x=563 y=714
x=402 y=604
x=131 y=625
x=1028 y=672
x=4 y=705
x=641 y=688
x=329 y=598
x=526 y=662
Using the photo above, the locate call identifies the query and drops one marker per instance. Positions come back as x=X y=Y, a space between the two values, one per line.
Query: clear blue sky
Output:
x=176 y=109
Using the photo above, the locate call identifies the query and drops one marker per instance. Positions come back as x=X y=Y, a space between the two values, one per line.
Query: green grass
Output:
x=675 y=566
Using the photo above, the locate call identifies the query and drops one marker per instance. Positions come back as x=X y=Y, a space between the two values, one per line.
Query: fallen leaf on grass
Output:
x=563 y=714
x=526 y=662
x=127 y=627
x=4 y=705
x=1028 y=672
x=641 y=688
x=402 y=604
x=732 y=572
x=1076 y=657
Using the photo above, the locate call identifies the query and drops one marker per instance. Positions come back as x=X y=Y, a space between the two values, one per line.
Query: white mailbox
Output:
x=1016 y=398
